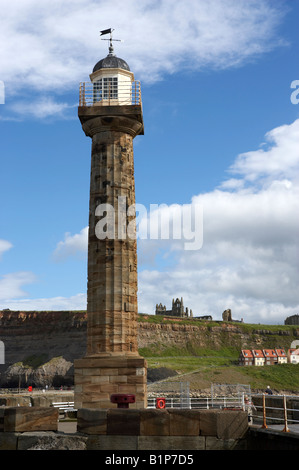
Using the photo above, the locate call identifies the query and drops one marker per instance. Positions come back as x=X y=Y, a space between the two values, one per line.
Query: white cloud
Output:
x=249 y=258
x=280 y=158
x=72 y=245
x=43 y=107
x=75 y=302
x=52 y=45
x=11 y=285
x=4 y=246
x=200 y=292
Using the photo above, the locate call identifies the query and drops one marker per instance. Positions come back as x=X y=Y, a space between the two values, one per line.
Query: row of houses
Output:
x=262 y=357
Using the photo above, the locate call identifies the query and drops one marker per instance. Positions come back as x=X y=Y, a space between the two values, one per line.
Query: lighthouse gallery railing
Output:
x=113 y=94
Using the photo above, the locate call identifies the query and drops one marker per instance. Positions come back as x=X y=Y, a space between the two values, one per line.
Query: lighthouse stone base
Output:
x=98 y=377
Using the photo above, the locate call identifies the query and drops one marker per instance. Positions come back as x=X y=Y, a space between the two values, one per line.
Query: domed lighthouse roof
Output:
x=111 y=62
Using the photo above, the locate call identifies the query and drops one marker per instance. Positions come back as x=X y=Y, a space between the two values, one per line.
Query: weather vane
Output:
x=109 y=31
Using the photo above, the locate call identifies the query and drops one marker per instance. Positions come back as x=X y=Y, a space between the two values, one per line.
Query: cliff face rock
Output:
x=190 y=337
x=57 y=372
x=40 y=347
x=44 y=334
x=33 y=339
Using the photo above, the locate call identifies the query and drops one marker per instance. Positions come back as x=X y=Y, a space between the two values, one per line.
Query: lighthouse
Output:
x=110 y=112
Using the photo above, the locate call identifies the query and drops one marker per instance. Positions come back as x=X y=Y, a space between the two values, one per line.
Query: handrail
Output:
x=285 y=413
x=264 y=413
x=202 y=402
x=111 y=94
x=285 y=429
x=264 y=416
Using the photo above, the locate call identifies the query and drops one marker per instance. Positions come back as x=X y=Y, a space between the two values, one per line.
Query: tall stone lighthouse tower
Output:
x=110 y=111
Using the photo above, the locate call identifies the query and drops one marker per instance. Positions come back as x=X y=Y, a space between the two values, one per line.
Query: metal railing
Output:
x=198 y=403
x=110 y=94
x=274 y=411
x=264 y=410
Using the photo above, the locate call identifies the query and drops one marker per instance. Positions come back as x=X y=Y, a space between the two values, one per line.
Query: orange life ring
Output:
x=160 y=403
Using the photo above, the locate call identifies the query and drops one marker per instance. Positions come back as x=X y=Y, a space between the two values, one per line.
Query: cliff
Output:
x=40 y=347
x=194 y=336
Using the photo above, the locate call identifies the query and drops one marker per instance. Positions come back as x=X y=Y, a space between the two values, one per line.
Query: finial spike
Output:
x=109 y=31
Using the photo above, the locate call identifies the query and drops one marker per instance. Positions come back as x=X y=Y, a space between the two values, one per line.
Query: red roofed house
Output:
x=282 y=358
x=246 y=358
x=258 y=357
x=270 y=357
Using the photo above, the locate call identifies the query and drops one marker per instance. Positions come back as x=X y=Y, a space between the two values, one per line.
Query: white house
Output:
x=281 y=356
x=258 y=357
x=293 y=356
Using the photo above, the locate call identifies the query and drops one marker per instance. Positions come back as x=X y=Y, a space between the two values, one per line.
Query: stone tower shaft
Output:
x=112 y=261
x=110 y=112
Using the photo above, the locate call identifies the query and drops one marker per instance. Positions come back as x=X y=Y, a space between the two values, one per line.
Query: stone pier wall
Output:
x=166 y=429
x=124 y=429
x=34 y=428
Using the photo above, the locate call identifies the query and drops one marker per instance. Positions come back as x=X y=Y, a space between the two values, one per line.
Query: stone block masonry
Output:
x=151 y=429
x=29 y=428
x=27 y=418
x=96 y=379
x=223 y=424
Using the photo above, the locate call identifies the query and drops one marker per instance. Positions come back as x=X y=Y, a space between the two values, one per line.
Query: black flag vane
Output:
x=109 y=31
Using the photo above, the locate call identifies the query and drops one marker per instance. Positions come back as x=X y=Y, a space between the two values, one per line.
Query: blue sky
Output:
x=220 y=130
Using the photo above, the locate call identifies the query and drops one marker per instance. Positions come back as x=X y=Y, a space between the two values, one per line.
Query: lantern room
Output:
x=112 y=84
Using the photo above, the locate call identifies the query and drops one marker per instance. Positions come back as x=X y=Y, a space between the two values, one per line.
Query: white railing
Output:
x=64 y=407
x=267 y=413
x=200 y=403
x=120 y=94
